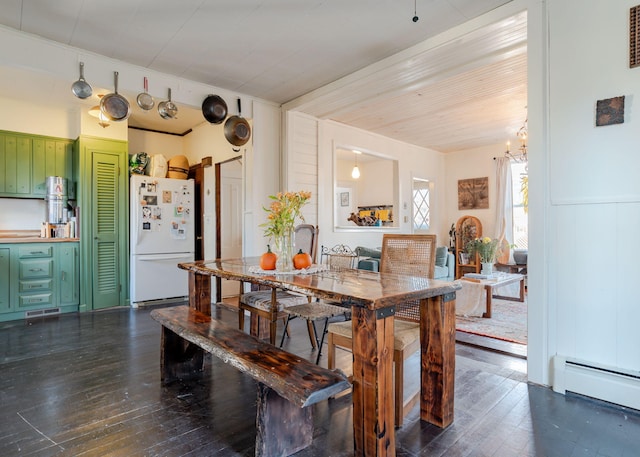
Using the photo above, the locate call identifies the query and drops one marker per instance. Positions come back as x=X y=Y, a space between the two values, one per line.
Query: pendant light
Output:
x=355 y=173
x=96 y=111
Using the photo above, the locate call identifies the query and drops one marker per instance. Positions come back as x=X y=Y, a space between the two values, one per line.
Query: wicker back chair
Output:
x=413 y=255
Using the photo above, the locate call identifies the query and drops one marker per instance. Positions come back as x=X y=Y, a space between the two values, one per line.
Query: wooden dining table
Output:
x=373 y=297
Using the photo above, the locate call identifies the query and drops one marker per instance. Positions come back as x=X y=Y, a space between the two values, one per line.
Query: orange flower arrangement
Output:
x=284 y=210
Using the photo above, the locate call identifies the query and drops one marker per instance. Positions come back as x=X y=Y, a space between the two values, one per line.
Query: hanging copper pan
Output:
x=237 y=130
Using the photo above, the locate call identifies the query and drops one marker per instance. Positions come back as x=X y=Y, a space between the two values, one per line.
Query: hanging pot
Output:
x=144 y=100
x=114 y=106
x=81 y=88
x=167 y=109
x=214 y=109
x=237 y=130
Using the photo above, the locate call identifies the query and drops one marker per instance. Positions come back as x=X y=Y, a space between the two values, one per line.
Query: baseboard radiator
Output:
x=611 y=384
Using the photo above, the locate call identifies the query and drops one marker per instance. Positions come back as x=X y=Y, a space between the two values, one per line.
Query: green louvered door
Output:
x=105 y=223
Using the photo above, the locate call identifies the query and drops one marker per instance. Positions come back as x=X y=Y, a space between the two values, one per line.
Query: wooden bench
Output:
x=287 y=384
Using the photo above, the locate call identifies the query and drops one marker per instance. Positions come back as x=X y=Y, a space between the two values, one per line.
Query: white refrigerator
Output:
x=162 y=235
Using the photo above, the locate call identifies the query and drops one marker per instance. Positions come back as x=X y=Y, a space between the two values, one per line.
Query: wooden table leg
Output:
x=489 y=292
x=438 y=359
x=373 y=412
x=519 y=298
x=200 y=292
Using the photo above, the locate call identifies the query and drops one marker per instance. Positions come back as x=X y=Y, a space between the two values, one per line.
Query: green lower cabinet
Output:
x=5 y=277
x=38 y=279
x=68 y=277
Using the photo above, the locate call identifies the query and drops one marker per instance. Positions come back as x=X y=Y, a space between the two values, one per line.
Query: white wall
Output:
x=594 y=191
x=38 y=119
x=155 y=143
x=472 y=163
x=22 y=214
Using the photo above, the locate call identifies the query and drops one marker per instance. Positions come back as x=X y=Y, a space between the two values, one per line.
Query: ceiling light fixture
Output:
x=415 y=11
x=96 y=111
x=355 y=173
x=521 y=155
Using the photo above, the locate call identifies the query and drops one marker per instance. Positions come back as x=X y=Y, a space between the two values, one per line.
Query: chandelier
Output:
x=521 y=154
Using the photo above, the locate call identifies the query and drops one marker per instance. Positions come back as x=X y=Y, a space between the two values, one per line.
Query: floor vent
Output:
x=42 y=312
x=615 y=385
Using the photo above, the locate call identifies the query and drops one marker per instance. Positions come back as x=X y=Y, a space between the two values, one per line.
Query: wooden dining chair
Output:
x=408 y=255
x=337 y=258
x=259 y=302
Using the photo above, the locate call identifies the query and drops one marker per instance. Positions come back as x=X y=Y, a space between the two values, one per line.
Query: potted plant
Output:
x=487 y=249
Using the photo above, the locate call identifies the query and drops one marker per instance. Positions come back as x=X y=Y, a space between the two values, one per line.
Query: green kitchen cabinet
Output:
x=15 y=156
x=38 y=279
x=52 y=157
x=28 y=159
x=5 y=278
x=35 y=276
x=68 y=280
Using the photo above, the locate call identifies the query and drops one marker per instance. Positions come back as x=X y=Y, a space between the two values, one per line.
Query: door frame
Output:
x=218 y=191
x=196 y=172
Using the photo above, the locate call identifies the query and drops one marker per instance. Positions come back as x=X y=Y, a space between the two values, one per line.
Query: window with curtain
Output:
x=520 y=217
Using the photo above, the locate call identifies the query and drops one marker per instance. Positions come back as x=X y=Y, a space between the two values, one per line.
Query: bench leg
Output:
x=282 y=427
x=179 y=359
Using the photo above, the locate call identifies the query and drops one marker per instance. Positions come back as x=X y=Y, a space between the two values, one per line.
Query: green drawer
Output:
x=36 y=286
x=34 y=269
x=35 y=300
x=31 y=251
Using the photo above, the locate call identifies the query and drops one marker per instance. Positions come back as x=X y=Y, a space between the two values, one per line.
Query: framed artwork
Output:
x=610 y=111
x=473 y=193
x=344 y=198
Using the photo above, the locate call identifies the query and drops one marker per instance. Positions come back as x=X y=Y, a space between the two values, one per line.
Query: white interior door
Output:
x=231 y=218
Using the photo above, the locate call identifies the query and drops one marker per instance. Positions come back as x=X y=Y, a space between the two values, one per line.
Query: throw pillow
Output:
x=441 y=256
x=368 y=252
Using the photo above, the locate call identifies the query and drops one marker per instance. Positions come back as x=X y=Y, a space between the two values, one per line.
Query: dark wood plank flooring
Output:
x=89 y=385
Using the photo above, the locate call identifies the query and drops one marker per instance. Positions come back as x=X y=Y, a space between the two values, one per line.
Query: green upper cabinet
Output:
x=52 y=157
x=15 y=156
x=29 y=159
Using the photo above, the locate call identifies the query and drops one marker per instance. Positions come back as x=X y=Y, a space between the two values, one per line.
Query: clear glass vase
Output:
x=284 y=251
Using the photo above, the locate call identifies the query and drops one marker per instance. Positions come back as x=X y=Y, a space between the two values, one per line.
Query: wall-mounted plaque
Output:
x=610 y=111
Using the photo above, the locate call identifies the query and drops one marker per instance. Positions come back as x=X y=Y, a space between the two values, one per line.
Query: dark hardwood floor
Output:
x=88 y=385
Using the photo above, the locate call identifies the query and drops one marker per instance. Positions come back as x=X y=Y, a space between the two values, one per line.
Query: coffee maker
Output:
x=57 y=224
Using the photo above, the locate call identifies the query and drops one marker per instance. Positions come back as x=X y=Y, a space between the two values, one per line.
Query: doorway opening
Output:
x=228 y=177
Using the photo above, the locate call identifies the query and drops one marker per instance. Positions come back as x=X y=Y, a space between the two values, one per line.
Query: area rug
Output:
x=508 y=322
